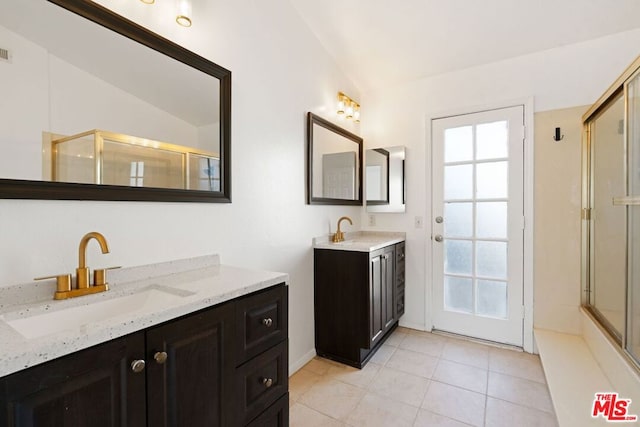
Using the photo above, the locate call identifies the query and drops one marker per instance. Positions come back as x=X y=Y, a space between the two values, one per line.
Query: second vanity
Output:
x=190 y=342
x=358 y=294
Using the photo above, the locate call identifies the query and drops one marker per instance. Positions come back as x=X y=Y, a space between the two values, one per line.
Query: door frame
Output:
x=528 y=342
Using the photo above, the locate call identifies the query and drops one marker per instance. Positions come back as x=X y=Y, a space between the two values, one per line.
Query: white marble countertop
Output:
x=360 y=241
x=142 y=296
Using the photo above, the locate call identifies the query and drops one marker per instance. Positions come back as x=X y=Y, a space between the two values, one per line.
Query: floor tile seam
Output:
x=517 y=376
x=319 y=412
x=400 y=401
x=464 y=363
x=417 y=352
x=521 y=378
x=457 y=386
x=522 y=405
x=440 y=415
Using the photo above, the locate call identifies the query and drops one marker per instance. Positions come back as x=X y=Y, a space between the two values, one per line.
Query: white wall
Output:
x=562 y=77
x=280 y=71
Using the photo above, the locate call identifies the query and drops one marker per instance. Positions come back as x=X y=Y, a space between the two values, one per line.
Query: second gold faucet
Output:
x=339 y=235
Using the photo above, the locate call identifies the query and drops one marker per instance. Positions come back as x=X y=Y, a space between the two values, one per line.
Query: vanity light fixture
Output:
x=183 y=12
x=348 y=107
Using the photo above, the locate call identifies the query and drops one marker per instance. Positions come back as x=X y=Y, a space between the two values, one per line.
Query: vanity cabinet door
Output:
x=94 y=387
x=189 y=368
x=382 y=285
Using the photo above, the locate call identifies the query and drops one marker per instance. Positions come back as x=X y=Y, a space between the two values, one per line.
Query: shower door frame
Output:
x=620 y=86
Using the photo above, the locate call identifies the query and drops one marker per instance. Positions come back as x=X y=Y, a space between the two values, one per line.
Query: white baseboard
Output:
x=298 y=364
x=416 y=326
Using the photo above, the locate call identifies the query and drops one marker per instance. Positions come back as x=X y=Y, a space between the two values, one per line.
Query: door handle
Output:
x=438 y=238
x=439 y=219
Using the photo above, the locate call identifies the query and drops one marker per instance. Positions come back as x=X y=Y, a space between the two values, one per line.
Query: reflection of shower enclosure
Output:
x=99 y=157
x=611 y=251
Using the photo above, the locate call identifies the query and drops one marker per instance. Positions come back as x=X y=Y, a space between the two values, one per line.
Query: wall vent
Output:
x=5 y=55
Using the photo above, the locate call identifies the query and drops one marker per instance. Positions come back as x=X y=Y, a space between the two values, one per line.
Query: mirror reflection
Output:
x=385 y=184
x=334 y=171
x=88 y=105
x=377 y=176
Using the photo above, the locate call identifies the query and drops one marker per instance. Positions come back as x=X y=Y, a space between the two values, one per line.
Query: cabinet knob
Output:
x=160 y=357
x=267 y=322
x=137 y=366
x=267 y=382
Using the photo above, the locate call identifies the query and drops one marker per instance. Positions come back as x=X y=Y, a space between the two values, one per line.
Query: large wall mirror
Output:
x=334 y=164
x=385 y=179
x=96 y=107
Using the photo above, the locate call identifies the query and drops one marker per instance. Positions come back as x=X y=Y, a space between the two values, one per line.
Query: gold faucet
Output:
x=64 y=289
x=82 y=272
x=339 y=235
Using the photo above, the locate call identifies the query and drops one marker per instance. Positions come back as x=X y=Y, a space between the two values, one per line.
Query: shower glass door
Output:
x=608 y=272
x=612 y=211
x=632 y=344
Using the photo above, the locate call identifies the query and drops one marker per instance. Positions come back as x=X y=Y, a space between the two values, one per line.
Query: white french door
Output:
x=478 y=223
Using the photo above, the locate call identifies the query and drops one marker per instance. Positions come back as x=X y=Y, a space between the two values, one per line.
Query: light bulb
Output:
x=349 y=110
x=340 y=103
x=183 y=16
x=356 y=114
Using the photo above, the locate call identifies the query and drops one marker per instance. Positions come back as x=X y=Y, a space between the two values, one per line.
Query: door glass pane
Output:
x=458 y=294
x=458 y=219
x=457 y=256
x=458 y=182
x=491 y=259
x=458 y=144
x=491 y=220
x=492 y=140
x=492 y=298
x=492 y=180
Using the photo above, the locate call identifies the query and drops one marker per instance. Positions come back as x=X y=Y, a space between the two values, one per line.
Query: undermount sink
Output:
x=52 y=322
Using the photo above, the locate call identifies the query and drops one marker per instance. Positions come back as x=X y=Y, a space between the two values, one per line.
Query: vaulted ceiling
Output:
x=379 y=42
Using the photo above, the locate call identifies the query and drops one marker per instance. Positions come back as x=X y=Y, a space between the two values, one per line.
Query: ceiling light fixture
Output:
x=183 y=16
x=348 y=107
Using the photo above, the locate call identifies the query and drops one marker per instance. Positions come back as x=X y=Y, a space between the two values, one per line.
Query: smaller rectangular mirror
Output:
x=385 y=185
x=334 y=159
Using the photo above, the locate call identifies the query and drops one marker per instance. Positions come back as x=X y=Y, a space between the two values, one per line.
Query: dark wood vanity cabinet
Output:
x=93 y=387
x=357 y=298
x=193 y=374
x=189 y=369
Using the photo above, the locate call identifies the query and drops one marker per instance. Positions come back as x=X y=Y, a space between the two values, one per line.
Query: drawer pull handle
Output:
x=267 y=382
x=267 y=322
x=160 y=357
x=137 y=366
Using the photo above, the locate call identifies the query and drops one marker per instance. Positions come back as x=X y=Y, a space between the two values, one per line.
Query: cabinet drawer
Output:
x=276 y=416
x=260 y=382
x=261 y=319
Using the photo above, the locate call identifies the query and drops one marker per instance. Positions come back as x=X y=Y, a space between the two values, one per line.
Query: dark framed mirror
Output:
x=102 y=108
x=334 y=164
x=394 y=179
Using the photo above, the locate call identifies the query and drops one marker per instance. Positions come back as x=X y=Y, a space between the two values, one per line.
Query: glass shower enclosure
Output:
x=101 y=157
x=611 y=211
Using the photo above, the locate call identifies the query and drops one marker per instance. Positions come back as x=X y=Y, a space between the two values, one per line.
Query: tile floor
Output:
x=422 y=379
